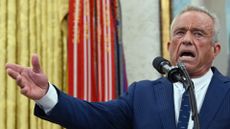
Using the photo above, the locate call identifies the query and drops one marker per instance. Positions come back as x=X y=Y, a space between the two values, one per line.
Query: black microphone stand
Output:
x=188 y=85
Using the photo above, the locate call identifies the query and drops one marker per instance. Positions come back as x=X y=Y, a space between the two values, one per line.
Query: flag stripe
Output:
x=75 y=48
x=80 y=53
x=70 y=44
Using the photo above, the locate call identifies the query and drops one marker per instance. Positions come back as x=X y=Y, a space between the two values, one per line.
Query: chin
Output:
x=189 y=67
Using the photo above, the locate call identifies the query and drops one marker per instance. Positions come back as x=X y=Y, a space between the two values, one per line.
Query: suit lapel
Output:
x=164 y=97
x=213 y=99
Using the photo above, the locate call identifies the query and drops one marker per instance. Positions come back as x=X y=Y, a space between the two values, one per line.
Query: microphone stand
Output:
x=188 y=85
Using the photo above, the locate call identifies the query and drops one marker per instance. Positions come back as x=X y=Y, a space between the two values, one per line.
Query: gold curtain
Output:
x=165 y=13
x=27 y=27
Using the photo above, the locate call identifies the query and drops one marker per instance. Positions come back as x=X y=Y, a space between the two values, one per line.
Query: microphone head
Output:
x=158 y=64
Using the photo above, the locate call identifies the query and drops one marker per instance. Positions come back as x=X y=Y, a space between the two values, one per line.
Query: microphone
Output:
x=163 y=66
x=175 y=74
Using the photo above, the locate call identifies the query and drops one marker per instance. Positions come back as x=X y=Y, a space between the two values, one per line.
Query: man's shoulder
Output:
x=218 y=75
x=145 y=84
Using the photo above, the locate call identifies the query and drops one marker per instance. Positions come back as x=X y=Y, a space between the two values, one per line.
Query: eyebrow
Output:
x=192 y=29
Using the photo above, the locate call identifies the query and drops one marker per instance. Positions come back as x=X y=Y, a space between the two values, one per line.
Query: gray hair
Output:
x=203 y=10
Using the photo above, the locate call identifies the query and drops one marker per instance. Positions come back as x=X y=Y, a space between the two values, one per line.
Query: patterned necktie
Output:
x=184 y=112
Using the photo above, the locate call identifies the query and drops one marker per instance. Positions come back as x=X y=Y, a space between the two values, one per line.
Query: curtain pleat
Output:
x=2 y=64
x=11 y=57
x=23 y=58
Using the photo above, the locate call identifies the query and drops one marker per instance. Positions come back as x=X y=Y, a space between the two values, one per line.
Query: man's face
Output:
x=191 y=42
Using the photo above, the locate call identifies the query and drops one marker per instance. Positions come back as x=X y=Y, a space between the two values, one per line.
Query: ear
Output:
x=216 y=48
x=168 y=45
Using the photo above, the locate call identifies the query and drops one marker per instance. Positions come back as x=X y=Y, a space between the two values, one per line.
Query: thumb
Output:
x=35 y=64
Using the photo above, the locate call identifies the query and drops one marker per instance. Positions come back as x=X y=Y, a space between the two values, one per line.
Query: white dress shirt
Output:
x=200 y=88
x=48 y=101
x=201 y=84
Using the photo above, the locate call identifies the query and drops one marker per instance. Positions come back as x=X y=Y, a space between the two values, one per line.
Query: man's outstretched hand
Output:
x=32 y=81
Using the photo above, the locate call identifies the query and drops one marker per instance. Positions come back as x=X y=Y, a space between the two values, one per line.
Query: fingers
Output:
x=24 y=90
x=22 y=82
x=15 y=67
x=35 y=64
x=18 y=68
x=12 y=73
x=18 y=79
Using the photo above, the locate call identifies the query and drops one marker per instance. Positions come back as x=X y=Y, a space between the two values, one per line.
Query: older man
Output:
x=147 y=104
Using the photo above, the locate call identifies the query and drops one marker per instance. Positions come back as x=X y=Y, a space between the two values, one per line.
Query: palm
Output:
x=33 y=83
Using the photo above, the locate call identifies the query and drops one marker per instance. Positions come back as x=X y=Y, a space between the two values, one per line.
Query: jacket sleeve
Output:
x=73 y=113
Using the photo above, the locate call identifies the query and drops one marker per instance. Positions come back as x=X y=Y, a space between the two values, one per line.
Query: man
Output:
x=147 y=104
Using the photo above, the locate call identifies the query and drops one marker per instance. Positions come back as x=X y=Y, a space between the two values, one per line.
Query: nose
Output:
x=187 y=39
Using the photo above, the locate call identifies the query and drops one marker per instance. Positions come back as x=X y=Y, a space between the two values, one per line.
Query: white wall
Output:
x=218 y=8
x=141 y=37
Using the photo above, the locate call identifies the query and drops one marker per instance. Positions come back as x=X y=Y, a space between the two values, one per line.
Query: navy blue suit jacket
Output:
x=146 y=105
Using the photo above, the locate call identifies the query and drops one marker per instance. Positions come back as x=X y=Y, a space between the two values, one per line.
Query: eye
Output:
x=198 y=34
x=179 y=33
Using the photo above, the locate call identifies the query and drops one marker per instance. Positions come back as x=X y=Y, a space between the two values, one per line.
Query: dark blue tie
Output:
x=184 y=112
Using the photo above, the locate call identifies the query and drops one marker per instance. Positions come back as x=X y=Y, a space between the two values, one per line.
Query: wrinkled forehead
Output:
x=193 y=19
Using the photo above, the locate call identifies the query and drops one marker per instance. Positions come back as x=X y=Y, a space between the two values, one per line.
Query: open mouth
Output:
x=187 y=54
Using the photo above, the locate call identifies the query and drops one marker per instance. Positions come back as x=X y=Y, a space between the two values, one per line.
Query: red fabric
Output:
x=92 y=50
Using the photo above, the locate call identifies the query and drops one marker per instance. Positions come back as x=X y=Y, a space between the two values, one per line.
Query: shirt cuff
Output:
x=48 y=101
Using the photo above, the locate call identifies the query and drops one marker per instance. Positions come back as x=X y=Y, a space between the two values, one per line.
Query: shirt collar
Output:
x=199 y=82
